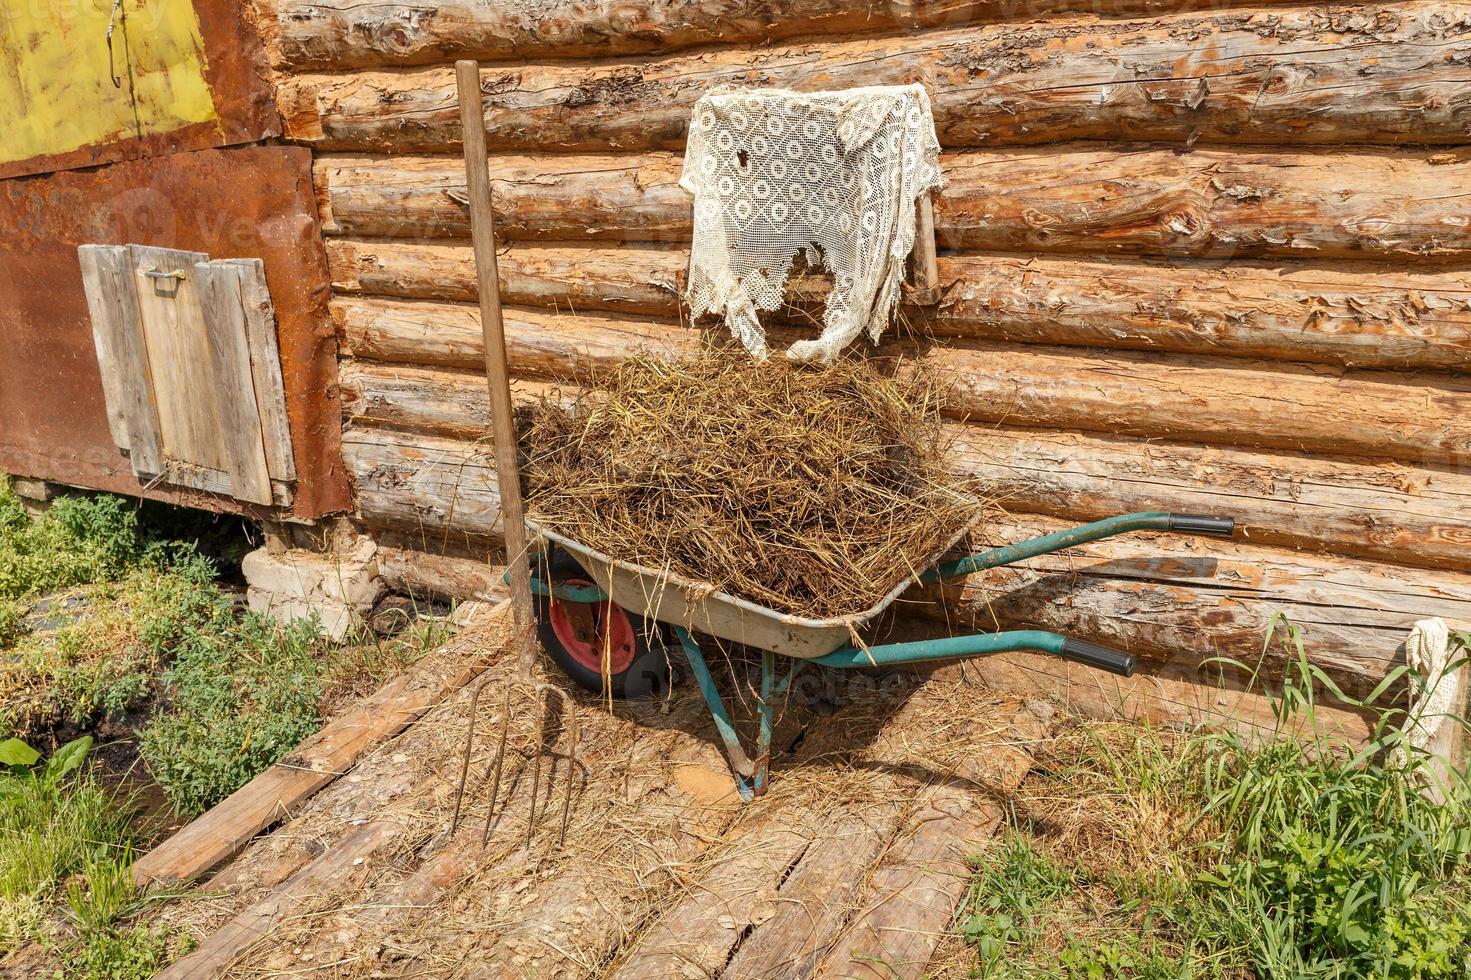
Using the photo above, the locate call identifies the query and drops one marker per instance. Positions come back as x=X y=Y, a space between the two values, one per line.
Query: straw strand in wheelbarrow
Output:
x=508 y=482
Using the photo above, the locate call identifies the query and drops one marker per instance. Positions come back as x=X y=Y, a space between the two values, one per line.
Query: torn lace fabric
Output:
x=832 y=176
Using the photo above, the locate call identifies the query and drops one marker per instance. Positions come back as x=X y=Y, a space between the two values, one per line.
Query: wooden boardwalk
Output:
x=852 y=866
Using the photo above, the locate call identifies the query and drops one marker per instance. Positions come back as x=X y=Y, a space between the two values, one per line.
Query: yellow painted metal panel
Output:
x=57 y=90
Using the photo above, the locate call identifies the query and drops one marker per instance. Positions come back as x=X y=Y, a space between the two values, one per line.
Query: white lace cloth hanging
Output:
x=1428 y=651
x=833 y=176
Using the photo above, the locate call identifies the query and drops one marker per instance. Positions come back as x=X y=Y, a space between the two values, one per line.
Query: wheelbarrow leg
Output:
x=766 y=709
x=751 y=776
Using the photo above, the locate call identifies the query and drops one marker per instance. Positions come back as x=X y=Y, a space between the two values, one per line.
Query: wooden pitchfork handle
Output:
x=497 y=375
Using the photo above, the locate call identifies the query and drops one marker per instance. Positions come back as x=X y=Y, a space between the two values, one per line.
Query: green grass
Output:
x=78 y=541
x=63 y=834
x=240 y=695
x=134 y=626
x=231 y=691
x=1146 y=853
x=106 y=656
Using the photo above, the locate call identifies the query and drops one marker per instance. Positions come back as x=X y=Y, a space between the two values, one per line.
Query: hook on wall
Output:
x=117 y=82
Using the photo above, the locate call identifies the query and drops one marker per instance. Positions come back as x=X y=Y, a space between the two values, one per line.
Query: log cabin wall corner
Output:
x=1197 y=256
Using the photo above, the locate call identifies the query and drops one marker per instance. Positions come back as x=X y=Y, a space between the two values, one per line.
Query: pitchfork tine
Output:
x=536 y=770
x=500 y=761
x=571 y=768
x=454 y=823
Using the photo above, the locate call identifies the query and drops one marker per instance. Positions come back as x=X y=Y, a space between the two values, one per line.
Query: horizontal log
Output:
x=1185 y=601
x=608 y=198
x=1379 y=511
x=423 y=574
x=421 y=484
x=337 y=34
x=1423 y=418
x=1214 y=203
x=628 y=279
x=1351 y=314
x=1171 y=599
x=537 y=342
x=1388 y=73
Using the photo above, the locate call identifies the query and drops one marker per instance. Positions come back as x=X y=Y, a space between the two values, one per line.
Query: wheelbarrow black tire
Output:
x=644 y=646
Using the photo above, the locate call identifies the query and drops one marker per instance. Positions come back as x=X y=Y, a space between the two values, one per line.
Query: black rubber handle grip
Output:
x=1102 y=657
x=1214 y=527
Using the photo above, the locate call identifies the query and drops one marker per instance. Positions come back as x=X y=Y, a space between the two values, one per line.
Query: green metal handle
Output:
x=981 y=645
x=568 y=593
x=1156 y=520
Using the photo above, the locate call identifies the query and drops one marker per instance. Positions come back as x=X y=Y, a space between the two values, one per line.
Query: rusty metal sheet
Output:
x=241 y=202
x=189 y=74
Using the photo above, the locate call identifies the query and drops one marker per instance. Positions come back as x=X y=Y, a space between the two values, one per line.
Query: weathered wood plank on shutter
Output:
x=179 y=359
x=223 y=306
x=265 y=364
x=122 y=355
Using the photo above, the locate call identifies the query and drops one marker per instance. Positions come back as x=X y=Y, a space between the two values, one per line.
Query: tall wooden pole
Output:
x=497 y=376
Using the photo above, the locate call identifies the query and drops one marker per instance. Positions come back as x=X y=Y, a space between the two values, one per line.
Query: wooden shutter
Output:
x=190 y=369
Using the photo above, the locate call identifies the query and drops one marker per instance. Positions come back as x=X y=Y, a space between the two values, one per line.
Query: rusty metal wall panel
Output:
x=241 y=202
x=58 y=92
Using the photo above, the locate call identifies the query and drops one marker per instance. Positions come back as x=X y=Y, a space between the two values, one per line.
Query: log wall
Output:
x=1196 y=256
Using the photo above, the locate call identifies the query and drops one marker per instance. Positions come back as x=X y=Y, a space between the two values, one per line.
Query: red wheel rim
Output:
x=611 y=632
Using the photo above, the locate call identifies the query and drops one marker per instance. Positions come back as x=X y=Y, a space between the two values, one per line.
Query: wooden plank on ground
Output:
x=913 y=894
x=275 y=793
x=216 y=953
x=240 y=416
x=695 y=935
x=842 y=886
x=813 y=902
x=909 y=901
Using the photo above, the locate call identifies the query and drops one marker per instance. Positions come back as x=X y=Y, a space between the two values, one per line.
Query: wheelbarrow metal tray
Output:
x=669 y=598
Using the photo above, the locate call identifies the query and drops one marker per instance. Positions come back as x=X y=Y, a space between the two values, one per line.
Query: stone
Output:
x=340 y=587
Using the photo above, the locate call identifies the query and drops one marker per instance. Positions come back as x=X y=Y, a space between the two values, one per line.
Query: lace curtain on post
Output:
x=833 y=176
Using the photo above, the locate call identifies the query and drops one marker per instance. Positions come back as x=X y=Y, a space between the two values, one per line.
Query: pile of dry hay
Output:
x=810 y=491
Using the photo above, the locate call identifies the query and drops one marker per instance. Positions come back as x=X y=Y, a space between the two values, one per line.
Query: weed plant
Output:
x=1213 y=854
x=62 y=832
x=242 y=693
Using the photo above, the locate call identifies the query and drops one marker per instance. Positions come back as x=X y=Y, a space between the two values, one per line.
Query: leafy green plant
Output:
x=1328 y=860
x=1008 y=897
x=10 y=615
x=1287 y=857
x=241 y=694
x=52 y=826
x=133 y=953
x=79 y=540
x=107 y=657
x=60 y=831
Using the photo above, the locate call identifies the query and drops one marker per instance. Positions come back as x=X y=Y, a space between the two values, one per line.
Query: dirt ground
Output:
x=852 y=865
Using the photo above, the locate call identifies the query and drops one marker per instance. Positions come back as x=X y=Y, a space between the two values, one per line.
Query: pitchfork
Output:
x=482 y=229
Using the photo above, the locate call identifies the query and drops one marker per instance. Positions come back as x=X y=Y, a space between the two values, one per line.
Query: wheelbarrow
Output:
x=602 y=619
